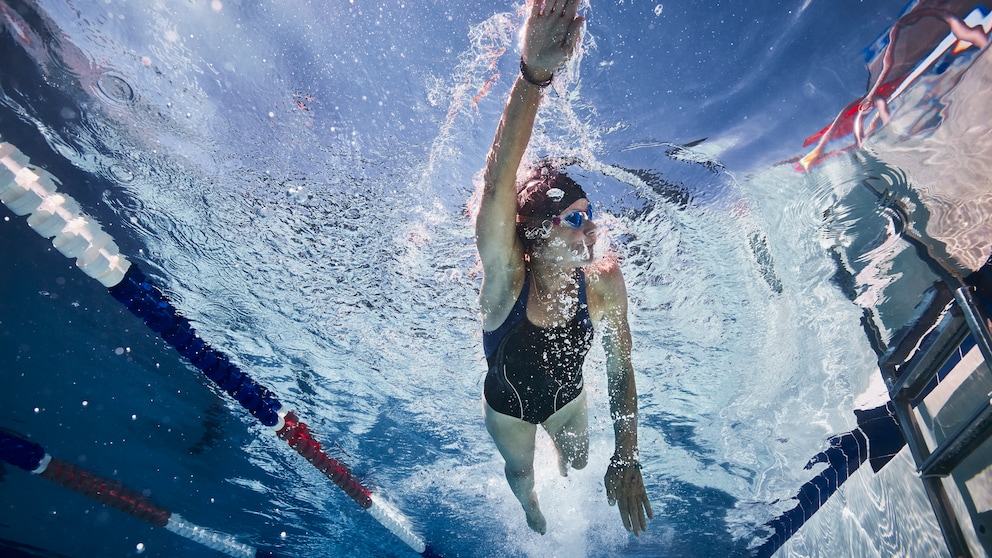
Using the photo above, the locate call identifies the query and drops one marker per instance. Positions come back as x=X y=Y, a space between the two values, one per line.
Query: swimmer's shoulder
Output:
x=605 y=286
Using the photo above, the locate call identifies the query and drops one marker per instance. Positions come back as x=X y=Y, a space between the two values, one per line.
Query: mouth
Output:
x=584 y=251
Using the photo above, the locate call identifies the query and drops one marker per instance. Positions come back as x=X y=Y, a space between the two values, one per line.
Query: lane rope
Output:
x=30 y=191
x=32 y=458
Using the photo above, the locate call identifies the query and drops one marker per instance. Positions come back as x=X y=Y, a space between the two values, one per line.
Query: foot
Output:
x=535 y=519
x=562 y=465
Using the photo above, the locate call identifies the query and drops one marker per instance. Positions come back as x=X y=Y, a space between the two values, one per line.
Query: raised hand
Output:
x=550 y=36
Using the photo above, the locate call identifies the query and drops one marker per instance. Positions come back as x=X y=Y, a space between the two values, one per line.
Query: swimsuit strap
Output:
x=491 y=339
x=581 y=276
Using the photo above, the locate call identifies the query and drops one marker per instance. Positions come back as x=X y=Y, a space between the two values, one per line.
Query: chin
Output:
x=585 y=255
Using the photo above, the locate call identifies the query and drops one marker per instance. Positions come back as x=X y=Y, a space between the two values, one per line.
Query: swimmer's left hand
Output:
x=625 y=487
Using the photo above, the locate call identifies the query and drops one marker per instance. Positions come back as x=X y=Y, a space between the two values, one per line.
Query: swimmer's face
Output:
x=568 y=244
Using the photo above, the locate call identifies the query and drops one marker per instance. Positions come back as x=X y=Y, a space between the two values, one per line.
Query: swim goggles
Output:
x=574 y=218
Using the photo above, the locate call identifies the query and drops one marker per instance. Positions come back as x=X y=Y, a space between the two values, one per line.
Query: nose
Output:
x=588 y=227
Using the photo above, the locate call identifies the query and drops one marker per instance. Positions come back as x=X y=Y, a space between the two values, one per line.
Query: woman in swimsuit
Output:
x=543 y=295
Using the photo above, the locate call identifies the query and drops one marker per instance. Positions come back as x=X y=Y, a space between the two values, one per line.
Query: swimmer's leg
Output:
x=515 y=441
x=569 y=429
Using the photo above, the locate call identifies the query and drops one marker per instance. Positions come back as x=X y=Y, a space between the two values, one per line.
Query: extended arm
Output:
x=550 y=36
x=624 y=484
x=495 y=225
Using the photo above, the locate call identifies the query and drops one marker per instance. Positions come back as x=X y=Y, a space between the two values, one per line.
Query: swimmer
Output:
x=544 y=293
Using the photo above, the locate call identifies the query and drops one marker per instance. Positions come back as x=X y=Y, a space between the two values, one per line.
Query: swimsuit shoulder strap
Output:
x=582 y=314
x=581 y=277
x=491 y=339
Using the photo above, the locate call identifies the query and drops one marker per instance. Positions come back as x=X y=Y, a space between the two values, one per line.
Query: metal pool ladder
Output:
x=938 y=379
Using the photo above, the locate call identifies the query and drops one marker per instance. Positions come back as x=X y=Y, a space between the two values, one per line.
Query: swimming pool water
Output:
x=298 y=180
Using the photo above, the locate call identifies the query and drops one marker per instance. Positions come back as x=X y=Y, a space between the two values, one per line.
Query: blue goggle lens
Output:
x=574 y=218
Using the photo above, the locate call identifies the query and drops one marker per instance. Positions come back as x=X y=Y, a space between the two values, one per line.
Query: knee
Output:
x=518 y=472
x=580 y=461
x=580 y=452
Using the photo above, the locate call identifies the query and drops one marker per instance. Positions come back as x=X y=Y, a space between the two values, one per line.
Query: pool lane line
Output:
x=32 y=458
x=31 y=191
x=877 y=439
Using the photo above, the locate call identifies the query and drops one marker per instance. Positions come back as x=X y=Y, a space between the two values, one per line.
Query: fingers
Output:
x=555 y=6
x=548 y=6
x=535 y=7
x=627 y=491
x=642 y=522
x=572 y=34
x=632 y=512
x=571 y=8
x=564 y=8
x=625 y=515
x=611 y=491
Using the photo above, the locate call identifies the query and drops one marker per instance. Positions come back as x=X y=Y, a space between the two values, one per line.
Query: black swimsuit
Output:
x=535 y=371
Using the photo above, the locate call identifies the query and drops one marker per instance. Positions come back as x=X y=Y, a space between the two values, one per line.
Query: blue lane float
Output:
x=29 y=191
x=877 y=439
x=147 y=302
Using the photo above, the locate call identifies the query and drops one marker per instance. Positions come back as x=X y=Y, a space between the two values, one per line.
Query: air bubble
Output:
x=115 y=89
x=120 y=173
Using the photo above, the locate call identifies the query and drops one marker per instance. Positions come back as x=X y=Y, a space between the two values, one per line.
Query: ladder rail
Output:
x=909 y=366
x=913 y=377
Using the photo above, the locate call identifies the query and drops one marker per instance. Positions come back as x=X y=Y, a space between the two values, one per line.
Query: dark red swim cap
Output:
x=545 y=194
